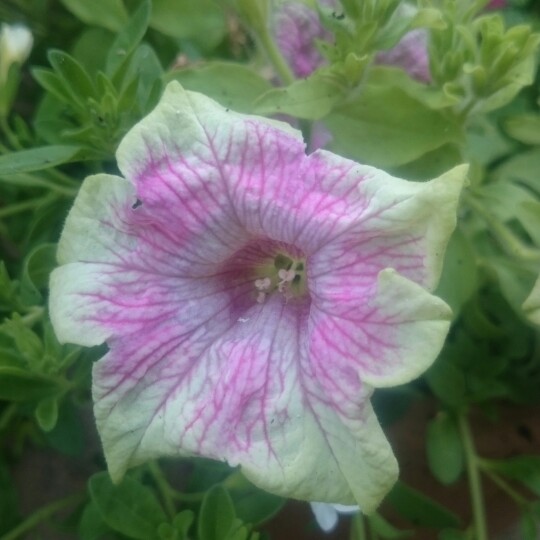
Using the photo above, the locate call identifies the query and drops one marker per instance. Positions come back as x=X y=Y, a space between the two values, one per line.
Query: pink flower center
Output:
x=284 y=275
x=264 y=268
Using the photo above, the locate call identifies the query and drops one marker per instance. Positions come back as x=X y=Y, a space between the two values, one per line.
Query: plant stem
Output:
x=475 y=483
x=35 y=314
x=164 y=488
x=19 y=207
x=496 y=479
x=42 y=514
x=7 y=415
x=10 y=136
x=358 y=531
x=280 y=65
x=509 y=243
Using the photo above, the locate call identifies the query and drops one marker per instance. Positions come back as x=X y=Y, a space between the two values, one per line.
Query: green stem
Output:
x=42 y=514
x=280 y=65
x=30 y=180
x=164 y=488
x=35 y=314
x=511 y=245
x=62 y=177
x=358 y=531
x=8 y=413
x=19 y=207
x=496 y=479
x=475 y=483
x=10 y=136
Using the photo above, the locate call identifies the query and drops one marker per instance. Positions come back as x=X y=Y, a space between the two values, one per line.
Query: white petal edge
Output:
x=431 y=318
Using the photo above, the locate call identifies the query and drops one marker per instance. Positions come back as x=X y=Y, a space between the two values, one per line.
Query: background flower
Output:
x=15 y=46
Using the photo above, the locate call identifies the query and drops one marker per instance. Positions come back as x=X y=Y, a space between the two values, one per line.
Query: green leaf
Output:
x=311 y=99
x=19 y=385
x=529 y=216
x=51 y=82
x=385 y=127
x=516 y=281
x=431 y=165
x=203 y=21
x=128 y=38
x=129 y=508
x=73 y=76
x=9 y=357
x=252 y=504
x=485 y=142
x=92 y=526
x=68 y=435
x=419 y=509
x=110 y=14
x=444 y=449
x=523 y=167
x=92 y=48
x=180 y=526
x=26 y=340
x=216 y=517
x=47 y=413
x=384 y=529
x=446 y=380
x=524 y=469
x=7 y=287
x=233 y=85
x=525 y=128
x=145 y=71
x=37 y=159
x=37 y=267
x=459 y=260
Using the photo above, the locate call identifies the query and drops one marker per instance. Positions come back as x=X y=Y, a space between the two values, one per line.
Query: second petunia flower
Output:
x=251 y=297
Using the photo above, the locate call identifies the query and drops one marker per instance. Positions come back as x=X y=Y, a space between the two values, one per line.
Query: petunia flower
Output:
x=297 y=28
x=410 y=54
x=167 y=266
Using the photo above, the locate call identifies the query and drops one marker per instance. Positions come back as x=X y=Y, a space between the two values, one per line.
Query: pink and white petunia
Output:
x=251 y=297
x=297 y=28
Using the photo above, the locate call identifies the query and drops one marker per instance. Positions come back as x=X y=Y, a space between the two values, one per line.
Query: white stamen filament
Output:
x=286 y=276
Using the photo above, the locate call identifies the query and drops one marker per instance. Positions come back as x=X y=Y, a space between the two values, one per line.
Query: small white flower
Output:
x=327 y=515
x=15 y=45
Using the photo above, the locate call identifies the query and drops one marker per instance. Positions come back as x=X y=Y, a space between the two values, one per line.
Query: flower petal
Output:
x=326 y=515
x=225 y=175
x=402 y=225
x=297 y=29
x=410 y=54
x=239 y=395
x=390 y=337
x=121 y=272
